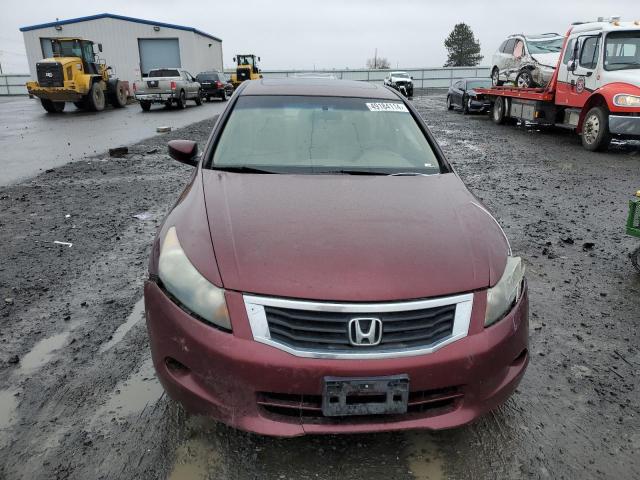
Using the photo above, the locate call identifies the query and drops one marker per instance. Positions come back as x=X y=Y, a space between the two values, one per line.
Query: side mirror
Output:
x=259 y=59
x=184 y=151
x=411 y=78
x=234 y=59
x=100 y=47
x=571 y=66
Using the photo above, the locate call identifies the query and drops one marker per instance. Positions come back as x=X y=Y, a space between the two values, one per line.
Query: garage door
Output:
x=158 y=53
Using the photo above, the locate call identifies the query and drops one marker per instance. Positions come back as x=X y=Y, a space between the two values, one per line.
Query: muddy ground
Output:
x=79 y=400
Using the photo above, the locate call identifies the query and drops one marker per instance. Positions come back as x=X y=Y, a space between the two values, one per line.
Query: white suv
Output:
x=527 y=60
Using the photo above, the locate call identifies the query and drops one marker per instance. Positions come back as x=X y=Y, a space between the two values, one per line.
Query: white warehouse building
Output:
x=131 y=46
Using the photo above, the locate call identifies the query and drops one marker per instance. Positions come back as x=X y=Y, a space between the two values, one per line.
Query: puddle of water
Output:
x=42 y=352
x=194 y=459
x=134 y=317
x=425 y=460
x=133 y=394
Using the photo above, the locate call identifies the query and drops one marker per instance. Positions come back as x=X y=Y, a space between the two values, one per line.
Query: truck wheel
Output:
x=182 y=100
x=495 y=78
x=79 y=105
x=449 y=105
x=52 y=107
x=95 y=98
x=524 y=79
x=498 y=113
x=198 y=99
x=595 y=130
x=117 y=93
x=146 y=106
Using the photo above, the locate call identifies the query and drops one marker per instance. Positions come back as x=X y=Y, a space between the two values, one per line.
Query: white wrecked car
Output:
x=527 y=60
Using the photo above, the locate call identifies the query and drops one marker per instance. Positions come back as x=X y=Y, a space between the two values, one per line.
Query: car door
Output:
x=583 y=72
x=516 y=59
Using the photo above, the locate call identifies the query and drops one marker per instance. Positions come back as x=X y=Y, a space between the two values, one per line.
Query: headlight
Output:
x=506 y=292
x=624 y=100
x=188 y=286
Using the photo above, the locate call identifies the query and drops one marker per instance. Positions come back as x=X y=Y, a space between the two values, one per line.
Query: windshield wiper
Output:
x=353 y=172
x=243 y=169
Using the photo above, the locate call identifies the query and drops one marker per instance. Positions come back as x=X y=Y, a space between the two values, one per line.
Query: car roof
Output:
x=318 y=87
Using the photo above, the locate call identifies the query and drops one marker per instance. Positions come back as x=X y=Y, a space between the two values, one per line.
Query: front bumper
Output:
x=228 y=376
x=479 y=105
x=155 y=97
x=625 y=125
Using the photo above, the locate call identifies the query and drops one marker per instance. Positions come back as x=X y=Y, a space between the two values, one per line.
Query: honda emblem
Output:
x=365 y=332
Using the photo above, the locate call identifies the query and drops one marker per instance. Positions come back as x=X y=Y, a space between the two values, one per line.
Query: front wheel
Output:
x=223 y=95
x=198 y=99
x=466 y=102
x=595 y=130
x=635 y=259
x=52 y=107
x=95 y=98
x=524 y=79
x=449 y=104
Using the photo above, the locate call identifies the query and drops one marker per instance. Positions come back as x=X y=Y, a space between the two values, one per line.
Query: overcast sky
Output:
x=324 y=33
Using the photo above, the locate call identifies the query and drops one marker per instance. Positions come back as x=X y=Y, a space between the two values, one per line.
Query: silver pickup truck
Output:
x=168 y=86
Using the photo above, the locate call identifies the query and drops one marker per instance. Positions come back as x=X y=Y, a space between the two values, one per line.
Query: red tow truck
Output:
x=595 y=89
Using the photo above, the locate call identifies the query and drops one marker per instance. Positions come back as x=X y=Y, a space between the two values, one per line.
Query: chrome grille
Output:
x=326 y=330
x=329 y=330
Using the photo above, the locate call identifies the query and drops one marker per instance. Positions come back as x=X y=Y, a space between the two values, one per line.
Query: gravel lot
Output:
x=79 y=400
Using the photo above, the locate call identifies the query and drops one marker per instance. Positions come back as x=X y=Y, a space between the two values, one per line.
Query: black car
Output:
x=462 y=94
x=214 y=85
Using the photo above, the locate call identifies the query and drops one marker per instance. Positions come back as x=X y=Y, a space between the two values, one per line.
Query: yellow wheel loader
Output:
x=246 y=69
x=74 y=74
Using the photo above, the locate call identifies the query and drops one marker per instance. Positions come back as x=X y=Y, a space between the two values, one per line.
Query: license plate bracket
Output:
x=365 y=396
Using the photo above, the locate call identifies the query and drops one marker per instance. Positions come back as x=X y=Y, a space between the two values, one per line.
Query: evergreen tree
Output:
x=463 y=48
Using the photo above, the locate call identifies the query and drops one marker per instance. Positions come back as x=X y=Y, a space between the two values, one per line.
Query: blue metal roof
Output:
x=118 y=17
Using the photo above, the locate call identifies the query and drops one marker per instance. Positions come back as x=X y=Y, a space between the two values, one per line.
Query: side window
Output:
x=569 y=51
x=589 y=52
x=458 y=85
x=518 y=50
x=504 y=44
x=508 y=48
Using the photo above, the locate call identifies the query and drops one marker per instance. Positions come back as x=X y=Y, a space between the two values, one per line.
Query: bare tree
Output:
x=378 y=63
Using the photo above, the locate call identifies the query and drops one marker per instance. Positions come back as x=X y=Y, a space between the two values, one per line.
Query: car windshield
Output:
x=400 y=74
x=164 y=72
x=623 y=51
x=297 y=134
x=553 y=45
x=471 y=84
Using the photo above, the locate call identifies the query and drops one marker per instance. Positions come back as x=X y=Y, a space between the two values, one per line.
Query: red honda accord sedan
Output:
x=326 y=270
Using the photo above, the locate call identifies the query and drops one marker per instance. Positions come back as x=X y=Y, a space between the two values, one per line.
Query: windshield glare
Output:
x=323 y=135
x=545 y=46
x=622 y=51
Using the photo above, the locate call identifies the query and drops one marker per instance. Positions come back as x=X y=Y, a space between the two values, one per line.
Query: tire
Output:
x=525 y=80
x=595 y=130
x=182 y=100
x=208 y=98
x=223 y=95
x=635 y=259
x=498 y=113
x=465 y=104
x=94 y=100
x=198 y=99
x=79 y=105
x=495 y=77
x=117 y=94
x=52 y=107
x=146 y=106
x=449 y=104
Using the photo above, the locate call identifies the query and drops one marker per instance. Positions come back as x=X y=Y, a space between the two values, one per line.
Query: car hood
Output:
x=351 y=238
x=547 y=59
x=631 y=76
